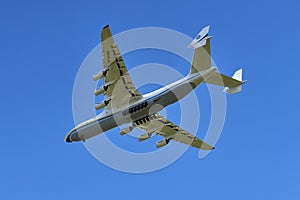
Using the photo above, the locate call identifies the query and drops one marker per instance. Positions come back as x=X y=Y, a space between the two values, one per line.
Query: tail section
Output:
x=202 y=62
x=201 y=44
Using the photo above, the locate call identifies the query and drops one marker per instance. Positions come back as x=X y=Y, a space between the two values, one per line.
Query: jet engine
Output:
x=98 y=106
x=161 y=143
x=125 y=131
x=100 y=75
x=144 y=137
x=100 y=90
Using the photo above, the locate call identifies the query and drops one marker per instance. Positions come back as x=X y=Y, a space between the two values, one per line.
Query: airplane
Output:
x=124 y=104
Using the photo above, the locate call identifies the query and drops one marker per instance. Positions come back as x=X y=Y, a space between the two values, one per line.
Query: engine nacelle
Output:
x=161 y=143
x=125 y=131
x=96 y=77
x=144 y=137
x=98 y=106
x=99 y=91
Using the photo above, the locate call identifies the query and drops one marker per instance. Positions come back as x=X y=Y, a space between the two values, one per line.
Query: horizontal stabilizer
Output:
x=232 y=84
x=238 y=75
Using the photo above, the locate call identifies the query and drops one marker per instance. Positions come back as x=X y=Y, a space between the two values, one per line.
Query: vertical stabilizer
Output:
x=201 y=44
x=238 y=75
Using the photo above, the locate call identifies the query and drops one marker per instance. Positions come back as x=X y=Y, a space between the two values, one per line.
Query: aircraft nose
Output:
x=72 y=137
x=68 y=138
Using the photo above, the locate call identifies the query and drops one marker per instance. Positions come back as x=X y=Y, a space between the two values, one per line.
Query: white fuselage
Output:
x=138 y=112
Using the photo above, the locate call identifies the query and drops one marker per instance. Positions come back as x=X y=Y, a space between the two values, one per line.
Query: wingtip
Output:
x=107 y=26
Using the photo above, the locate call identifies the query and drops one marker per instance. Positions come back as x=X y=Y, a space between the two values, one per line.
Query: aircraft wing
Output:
x=119 y=88
x=163 y=127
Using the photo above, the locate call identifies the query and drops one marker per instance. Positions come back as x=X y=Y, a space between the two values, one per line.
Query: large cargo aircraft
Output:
x=124 y=104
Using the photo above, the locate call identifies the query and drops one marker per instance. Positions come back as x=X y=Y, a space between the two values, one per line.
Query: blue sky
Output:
x=42 y=47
